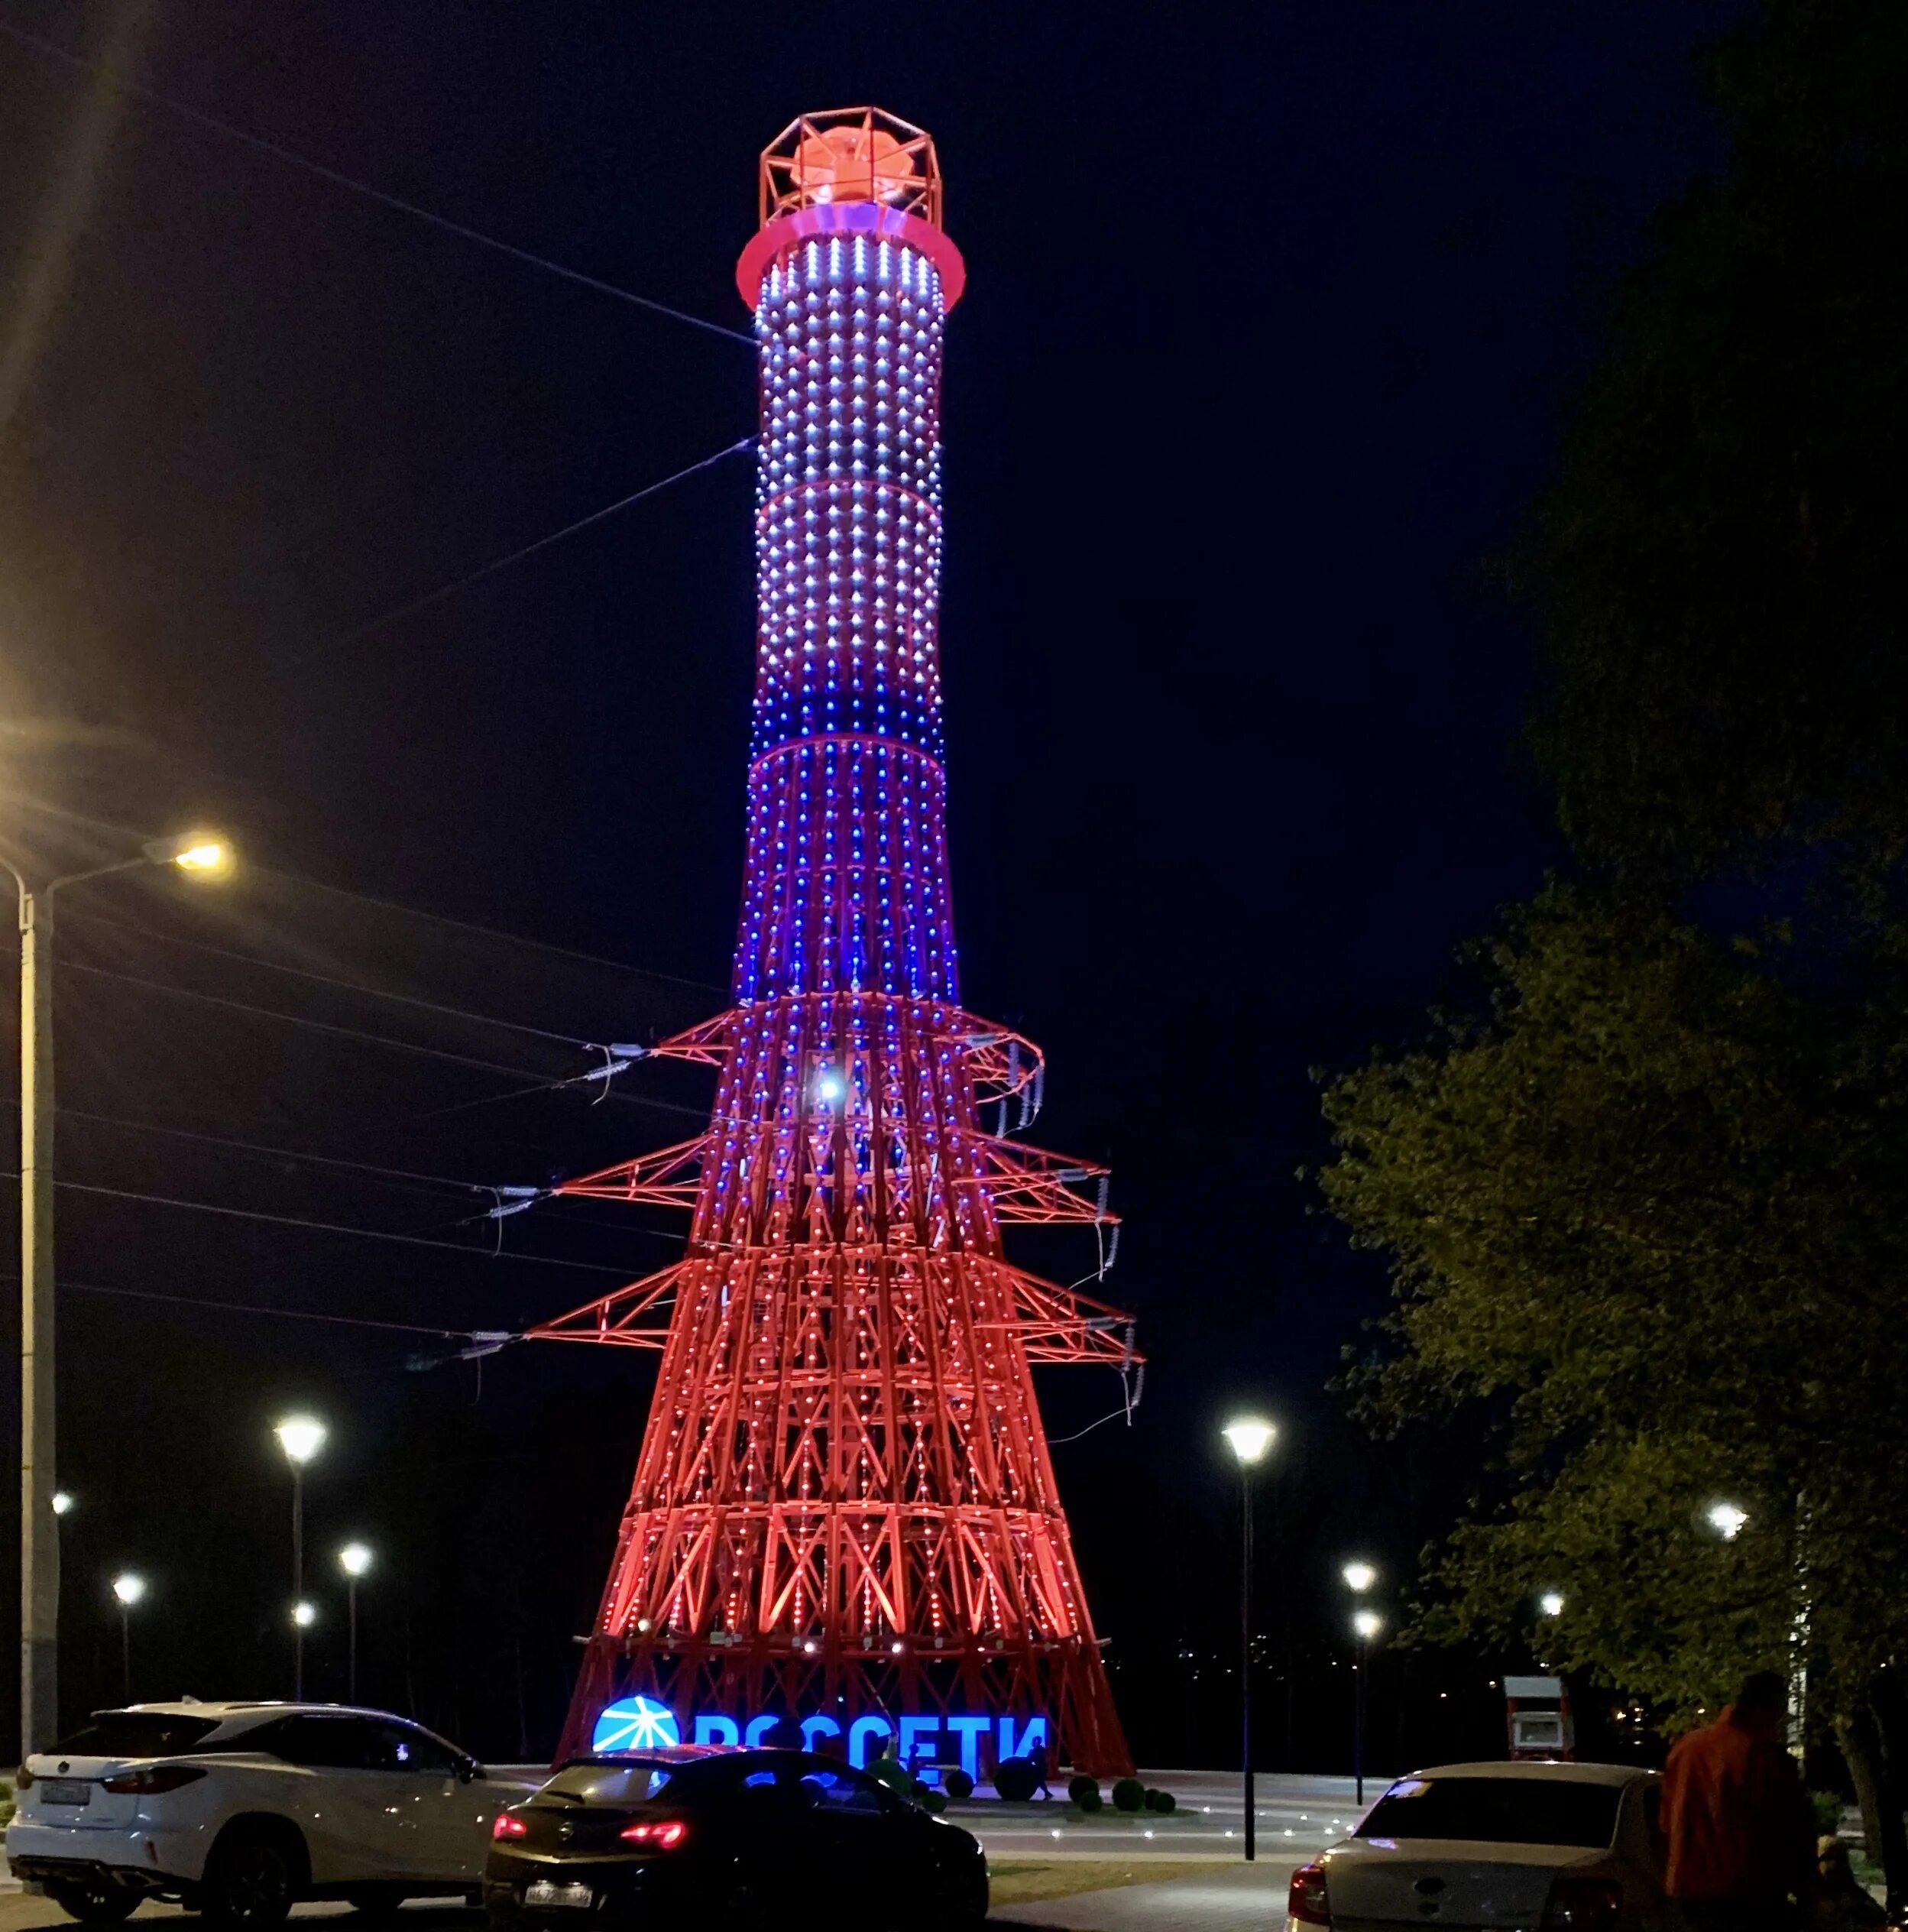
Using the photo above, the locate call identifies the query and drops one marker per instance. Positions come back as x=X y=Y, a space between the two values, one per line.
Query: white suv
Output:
x=238 y=1810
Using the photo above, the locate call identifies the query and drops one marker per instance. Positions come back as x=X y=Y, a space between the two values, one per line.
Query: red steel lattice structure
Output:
x=844 y=1501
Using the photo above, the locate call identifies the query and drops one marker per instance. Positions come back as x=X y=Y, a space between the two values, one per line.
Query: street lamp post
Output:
x=199 y=856
x=129 y=1589
x=1250 y=1438
x=1365 y=1625
x=354 y=1559
x=1359 y=1576
x=301 y=1437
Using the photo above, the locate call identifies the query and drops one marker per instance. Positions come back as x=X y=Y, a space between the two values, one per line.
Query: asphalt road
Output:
x=1297 y=1817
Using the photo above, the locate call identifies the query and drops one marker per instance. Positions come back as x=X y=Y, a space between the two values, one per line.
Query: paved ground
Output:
x=1234 y=1898
x=1297 y=1817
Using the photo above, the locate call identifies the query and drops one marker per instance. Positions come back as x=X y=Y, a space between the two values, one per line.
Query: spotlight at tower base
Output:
x=844 y=1531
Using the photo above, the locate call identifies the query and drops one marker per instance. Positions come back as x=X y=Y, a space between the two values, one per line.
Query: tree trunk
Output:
x=1860 y=1737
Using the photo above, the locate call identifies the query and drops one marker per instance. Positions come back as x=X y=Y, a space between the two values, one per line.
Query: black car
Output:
x=743 y=1839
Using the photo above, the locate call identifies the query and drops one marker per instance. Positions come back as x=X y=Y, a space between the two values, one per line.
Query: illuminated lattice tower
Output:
x=844 y=1507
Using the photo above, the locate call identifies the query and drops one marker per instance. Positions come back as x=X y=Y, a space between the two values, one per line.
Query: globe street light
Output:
x=1551 y=1602
x=130 y=1590
x=1727 y=1520
x=1366 y=1623
x=354 y=1559
x=301 y=1437
x=39 y=1540
x=1251 y=1438
x=61 y=1503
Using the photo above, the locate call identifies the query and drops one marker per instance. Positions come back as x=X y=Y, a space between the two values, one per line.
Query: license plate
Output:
x=65 y=1790
x=547 y=1891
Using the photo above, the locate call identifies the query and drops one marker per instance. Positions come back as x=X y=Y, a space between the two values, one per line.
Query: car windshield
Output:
x=626 y=1782
x=1497 y=1811
x=135 y=1734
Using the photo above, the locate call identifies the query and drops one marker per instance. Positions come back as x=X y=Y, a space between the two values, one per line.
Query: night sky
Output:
x=1273 y=316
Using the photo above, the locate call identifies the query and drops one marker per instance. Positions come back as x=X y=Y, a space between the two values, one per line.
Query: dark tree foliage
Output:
x=1647 y=1206
x=1719 y=565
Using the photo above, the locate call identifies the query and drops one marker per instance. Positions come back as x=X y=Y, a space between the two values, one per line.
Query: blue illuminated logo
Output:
x=635 y=1724
x=925 y=1746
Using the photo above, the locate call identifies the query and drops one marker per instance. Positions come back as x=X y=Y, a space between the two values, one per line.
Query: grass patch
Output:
x=1018 y=1882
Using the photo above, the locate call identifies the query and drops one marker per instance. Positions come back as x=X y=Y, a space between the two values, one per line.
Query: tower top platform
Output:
x=850 y=154
x=849 y=171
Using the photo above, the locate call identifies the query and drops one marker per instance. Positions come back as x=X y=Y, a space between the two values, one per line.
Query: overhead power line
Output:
x=359 y=633
x=341 y=1227
x=200 y=118
x=532 y=1084
x=253 y=1307
x=343 y=986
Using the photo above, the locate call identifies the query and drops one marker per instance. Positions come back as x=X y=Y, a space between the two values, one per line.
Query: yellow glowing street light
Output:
x=201 y=856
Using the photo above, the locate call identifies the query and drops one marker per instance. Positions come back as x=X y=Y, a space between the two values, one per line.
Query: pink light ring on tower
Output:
x=869 y=218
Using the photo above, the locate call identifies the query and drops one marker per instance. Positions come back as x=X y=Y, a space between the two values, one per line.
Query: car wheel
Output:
x=250 y=1883
x=93 y=1905
x=747 y=1908
x=963 y=1902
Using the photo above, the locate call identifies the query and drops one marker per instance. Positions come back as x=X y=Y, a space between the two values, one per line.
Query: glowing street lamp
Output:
x=1366 y=1623
x=354 y=1559
x=129 y=1589
x=1727 y=1519
x=301 y=1437
x=39 y=1531
x=1251 y=1438
x=1359 y=1576
x=1551 y=1602
x=303 y=1616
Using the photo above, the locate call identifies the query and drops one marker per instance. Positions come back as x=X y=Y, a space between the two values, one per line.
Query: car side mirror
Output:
x=469 y=1770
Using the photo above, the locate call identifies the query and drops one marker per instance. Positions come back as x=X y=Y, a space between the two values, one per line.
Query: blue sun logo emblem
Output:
x=635 y=1724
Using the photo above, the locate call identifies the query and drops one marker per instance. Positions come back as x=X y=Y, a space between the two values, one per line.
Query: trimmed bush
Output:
x=1091 y=1802
x=1162 y=1802
x=959 y=1785
x=933 y=1800
x=1081 y=1786
x=1129 y=1794
x=889 y=1771
x=1016 y=1779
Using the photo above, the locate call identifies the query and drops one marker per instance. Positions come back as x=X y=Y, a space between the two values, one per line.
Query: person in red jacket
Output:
x=1741 y=1837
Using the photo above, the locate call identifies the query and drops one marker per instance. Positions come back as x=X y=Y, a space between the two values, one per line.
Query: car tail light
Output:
x=1306 y=1901
x=22 y=1779
x=509 y=1825
x=664 y=1837
x=1583 y=1905
x=161 y=1778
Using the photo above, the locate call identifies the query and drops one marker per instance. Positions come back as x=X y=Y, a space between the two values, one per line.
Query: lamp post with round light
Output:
x=129 y=1589
x=354 y=1559
x=1250 y=1438
x=1366 y=1623
x=1359 y=1576
x=301 y=1437
x=200 y=857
